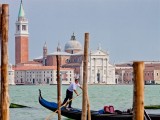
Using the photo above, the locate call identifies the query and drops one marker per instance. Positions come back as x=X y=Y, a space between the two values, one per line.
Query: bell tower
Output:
x=45 y=52
x=21 y=37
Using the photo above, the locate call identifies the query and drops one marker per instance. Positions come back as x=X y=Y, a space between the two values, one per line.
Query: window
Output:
x=18 y=27
x=67 y=60
x=24 y=27
x=157 y=74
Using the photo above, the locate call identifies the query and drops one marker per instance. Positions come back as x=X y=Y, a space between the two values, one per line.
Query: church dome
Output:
x=73 y=44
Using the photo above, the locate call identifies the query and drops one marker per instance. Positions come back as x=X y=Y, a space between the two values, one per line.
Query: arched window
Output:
x=23 y=27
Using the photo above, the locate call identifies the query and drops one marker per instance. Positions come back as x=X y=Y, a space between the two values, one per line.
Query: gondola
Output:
x=75 y=113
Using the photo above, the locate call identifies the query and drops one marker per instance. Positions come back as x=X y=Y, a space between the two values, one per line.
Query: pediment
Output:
x=99 y=52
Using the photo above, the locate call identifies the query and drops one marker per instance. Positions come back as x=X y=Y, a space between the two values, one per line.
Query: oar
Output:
x=61 y=107
x=146 y=115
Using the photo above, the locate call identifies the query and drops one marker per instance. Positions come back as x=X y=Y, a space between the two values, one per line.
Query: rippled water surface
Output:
x=120 y=96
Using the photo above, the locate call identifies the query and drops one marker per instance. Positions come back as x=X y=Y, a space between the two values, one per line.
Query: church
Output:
x=42 y=70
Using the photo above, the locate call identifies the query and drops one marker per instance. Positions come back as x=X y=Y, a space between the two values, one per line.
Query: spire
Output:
x=99 y=46
x=21 y=10
x=73 y=37
x=45 y=45
x=58 y=48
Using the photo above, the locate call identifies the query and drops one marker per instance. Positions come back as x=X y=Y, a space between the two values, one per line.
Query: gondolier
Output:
x=69 y=92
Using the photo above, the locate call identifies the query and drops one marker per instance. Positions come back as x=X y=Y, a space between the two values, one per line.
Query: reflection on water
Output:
x=120 y=96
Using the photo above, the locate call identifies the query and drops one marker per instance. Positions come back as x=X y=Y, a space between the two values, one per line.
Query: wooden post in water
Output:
x=58 y=87
x=4 y=64
x=138 y=98
x=85 y=102
x=88 y=108
x=0 y=57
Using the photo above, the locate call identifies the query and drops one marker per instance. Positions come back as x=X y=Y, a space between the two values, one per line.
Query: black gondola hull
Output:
x=95 y=115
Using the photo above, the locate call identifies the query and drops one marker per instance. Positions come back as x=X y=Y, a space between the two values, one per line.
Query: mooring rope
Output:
x=51 y=115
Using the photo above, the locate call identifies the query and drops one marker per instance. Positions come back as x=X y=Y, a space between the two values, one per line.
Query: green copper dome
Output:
x=21 y=11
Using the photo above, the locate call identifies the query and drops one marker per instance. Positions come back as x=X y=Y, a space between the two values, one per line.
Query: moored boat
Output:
x=75 y=113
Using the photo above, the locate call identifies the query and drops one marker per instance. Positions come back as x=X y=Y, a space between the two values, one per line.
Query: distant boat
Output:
x=75 y=113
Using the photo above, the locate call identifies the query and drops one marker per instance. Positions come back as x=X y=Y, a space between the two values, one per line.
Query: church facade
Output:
x=100 y=71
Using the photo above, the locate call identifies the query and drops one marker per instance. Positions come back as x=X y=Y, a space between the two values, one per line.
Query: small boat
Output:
x=75 y=113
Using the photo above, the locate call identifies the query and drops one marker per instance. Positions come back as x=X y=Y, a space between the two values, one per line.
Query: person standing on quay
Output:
x=69 y=92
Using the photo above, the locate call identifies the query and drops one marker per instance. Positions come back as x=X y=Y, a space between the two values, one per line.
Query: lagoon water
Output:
x=120 y=96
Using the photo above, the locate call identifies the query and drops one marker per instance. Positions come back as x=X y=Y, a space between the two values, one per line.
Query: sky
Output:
x=128 y=30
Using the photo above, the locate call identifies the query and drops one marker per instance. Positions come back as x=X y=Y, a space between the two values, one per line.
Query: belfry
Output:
x=21 y=37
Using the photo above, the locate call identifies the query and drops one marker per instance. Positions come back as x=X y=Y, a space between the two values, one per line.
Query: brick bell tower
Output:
x=21 y=37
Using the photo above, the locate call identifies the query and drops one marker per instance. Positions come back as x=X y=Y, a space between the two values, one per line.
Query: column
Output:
x=106 y=70
x=103 y=70
x=81 y=73
x=95 y=71
x=90 y=80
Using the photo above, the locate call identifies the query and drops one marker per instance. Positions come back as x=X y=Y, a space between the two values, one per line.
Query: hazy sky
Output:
x=127 y=29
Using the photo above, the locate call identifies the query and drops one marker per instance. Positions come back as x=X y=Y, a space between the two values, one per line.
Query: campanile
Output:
x=21 y=37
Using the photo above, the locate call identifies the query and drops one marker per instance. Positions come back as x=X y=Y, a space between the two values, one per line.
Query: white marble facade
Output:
x=99 y=68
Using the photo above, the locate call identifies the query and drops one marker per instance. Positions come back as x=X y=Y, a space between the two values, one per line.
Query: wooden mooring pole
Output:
x=58 y=87
x=85 y=102
x=4 y=63
x=0 y=57
x=138 y=94
x=88 y=108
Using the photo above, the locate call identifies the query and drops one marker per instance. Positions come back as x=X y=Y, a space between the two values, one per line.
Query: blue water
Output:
x=120 y=96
